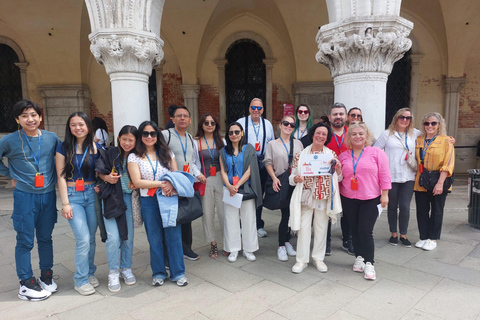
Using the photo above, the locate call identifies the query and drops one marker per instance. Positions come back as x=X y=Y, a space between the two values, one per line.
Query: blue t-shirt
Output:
x=78 y=174
x=15 y=148
x=235 y=165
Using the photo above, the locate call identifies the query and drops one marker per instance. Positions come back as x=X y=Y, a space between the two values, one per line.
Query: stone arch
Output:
x=221 y=61
x=21 y=64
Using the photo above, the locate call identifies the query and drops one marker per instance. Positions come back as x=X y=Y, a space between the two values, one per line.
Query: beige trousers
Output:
x=233 y=236
x=320 y=225
x=212 y=198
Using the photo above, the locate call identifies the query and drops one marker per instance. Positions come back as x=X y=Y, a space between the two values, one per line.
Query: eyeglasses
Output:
x=256 y=108
x=355 y=116
x=427 y=124
x=303 y=112
x=286 y=124
x=211 y=123
x=182 y=116
x=152 y=134
x=234 y=132
x=406 y=118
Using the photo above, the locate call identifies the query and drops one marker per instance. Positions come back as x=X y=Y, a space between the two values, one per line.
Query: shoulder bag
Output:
x=198 y=186
x=428 y=180
x=409 y=157
x=189 y=209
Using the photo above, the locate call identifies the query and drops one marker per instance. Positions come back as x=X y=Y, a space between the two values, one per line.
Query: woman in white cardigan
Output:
x=314 y=197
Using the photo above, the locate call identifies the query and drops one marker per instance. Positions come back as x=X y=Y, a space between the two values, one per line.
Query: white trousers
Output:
x=213 y=198
x=233 y=236
x=320 y=226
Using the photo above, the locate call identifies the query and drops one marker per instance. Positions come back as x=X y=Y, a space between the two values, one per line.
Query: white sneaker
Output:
x=369 y=272
x=299 y=267
x=359 y=265
x=114 y=281
x=128 y=277
x=420 y=243
x=261 y=233
x=290 y=251
x=157 y=282
x=321 y=266
x=30 y=290
x=46 y=281
x=182 y=282
x=233 y=256
x=282 y=254
x=93 y=281
x=85 y=290
x=429 y=245
x=249 y=255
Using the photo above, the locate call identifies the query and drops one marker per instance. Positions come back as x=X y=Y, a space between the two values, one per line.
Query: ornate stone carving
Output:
x=132 y=52
x=370 y=49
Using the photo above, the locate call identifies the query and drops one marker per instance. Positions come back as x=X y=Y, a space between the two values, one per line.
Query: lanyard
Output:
x=212 y=152
x=301 y=135
x=286 y=149
x=184 y=148
x=234 y=163
x=341 y=143
x=355 y=164
x=425 y=148
x=257 y=132
x=156 y=166
x=37 y=161
x=79 y=166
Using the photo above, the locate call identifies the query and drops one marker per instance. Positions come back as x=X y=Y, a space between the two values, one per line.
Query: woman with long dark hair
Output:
x=75 y=162
x=303 y=121
x=101 y=131
x=209 y=143
x=151 y=160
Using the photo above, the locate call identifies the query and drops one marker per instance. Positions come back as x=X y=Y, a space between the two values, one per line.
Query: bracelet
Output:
x=65 y=204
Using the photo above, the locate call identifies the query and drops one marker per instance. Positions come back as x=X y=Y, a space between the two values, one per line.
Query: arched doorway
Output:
x=10 y=87
x=398 y=87
x=245 y=77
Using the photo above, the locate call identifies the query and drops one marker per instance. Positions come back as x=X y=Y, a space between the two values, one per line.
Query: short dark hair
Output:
x=311 y=131
x=171 y=109
x=23 y=105
x=338 y=105
x=182 y=107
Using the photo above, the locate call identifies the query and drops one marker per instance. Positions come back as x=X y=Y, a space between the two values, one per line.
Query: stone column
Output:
x=159 y=82
x=269 y=88
x=60 y=102
x=414 y=83
x=359 y=46
x=23 y=77
x=222 y=99
x=190 y=96
x=452 y=87
x=126 y=40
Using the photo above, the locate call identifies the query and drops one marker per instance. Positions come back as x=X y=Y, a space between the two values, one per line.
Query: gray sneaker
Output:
x=128 y=277
x=182 y=282
x=85 y=290
x=114 y=281
x=156 y=282
x=93 y=281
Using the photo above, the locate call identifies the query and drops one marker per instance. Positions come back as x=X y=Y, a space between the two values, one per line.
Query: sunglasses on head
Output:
x=303 y=112
x=234 y=132
x=286 y=124
x=209 y=123
x=356 y=116
x=152 y=134
x=405 y=117
x=256 y=108
x=427 y=124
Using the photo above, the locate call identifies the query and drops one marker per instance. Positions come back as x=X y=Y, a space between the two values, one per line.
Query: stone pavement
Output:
x=411 y=283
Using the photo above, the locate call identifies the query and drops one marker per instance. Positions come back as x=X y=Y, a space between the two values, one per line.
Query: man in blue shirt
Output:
x=31 y=167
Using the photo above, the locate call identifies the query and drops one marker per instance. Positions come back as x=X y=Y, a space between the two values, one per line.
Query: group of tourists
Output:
x=143 y=177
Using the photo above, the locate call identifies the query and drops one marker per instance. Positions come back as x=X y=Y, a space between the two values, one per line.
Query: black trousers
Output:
x=430 y=214
x=283 y=229
x=263 y=179
x=362 y=215
x=399 y=197
x=187 y=236
x=346 y=231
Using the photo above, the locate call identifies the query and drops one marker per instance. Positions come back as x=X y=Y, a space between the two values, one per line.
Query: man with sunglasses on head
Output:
x=258 y=132
x=338 y=119
x=181 y=144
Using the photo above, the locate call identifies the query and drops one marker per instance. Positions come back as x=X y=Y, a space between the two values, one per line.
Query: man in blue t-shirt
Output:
x=31 y=167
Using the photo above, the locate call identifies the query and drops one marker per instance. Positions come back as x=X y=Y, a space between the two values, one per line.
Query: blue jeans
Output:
x=114 y=243
x=173 y=242
x=84 y=225
x=33 y=213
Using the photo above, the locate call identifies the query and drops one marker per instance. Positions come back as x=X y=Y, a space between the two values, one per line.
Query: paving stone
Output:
x=414 y=314
x=269 y=315
x=343 y=315
x=417 y=279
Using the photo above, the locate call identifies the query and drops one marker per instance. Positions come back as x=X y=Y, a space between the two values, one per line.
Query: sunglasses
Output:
x=256 y=108
x=234 y=132
x=427 y=124
x=152 y=134
x=211 y=123
x=286 y=124
x=355 y=116
x=405 y=118
x=303 y=112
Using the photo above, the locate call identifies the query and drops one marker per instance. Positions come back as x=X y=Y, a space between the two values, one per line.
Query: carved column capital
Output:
x=126 y=50
x=454 y=85
x=371 y=44
x=269 y=63
x=190 y=91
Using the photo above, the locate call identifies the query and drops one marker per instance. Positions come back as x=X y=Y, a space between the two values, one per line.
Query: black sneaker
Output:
x=348 y=246
x=47 y=282
x=30 y=290
x=328 y=249
x=405 y=242
x=190 y=255
x=393 y=241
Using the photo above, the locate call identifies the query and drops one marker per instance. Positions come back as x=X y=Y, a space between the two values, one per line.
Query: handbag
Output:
x=189 y=209
x=278 y=200
x=198 y=186
x=136 y=209
x=247 y=196
x=428 y=180
x=410 y=157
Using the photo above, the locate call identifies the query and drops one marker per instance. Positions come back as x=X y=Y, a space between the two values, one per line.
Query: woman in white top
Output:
x=101 y=131
x=398 y=140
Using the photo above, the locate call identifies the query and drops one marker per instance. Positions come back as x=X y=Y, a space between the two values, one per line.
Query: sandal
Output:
x=213 y=251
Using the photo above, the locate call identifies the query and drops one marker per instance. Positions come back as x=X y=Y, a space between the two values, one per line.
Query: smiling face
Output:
x=29 y=120
x=431 y=129
x=404 y=121
x=78 y=127
x=235 y=138
x=338 y=117
x=354 y=115
x=358 y=137
x=319 y=137
x=147 y=139
x=255 y=114
x=287 y=129
x=127 y=142
x=303 y=113
x=209 y=125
